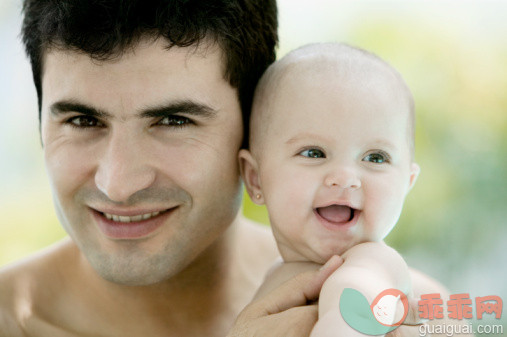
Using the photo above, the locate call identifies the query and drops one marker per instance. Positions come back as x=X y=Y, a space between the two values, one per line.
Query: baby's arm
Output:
x=369 y=268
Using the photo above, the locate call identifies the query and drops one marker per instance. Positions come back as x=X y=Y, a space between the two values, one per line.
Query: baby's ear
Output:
x=250 y=174
x=414 y=173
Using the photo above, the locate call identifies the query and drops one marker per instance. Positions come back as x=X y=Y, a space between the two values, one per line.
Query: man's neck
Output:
x=199 y=293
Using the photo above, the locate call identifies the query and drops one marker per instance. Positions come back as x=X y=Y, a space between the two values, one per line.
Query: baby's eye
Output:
x=84 y=122
x=377 y=158
x=175 y=120
x=313 y=153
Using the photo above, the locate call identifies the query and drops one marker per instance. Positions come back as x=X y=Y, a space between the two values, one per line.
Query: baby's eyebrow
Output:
x=307 y=136
x=384 y=143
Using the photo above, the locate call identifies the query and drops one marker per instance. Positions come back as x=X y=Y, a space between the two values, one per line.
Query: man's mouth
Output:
x=135 y=225
x=337 y=214
x=135 y=218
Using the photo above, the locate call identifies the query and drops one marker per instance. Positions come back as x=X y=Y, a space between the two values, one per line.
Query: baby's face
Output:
x=335 y=164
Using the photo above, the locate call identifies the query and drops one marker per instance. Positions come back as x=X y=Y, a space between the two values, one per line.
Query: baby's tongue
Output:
x=335 y=213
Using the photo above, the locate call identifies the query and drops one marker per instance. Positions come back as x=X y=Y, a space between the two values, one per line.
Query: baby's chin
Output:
x=319 y=255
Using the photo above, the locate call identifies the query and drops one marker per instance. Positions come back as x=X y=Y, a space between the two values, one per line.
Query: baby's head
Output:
x=331 y=150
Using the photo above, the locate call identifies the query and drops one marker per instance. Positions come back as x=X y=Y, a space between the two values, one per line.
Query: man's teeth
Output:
x=122 y=218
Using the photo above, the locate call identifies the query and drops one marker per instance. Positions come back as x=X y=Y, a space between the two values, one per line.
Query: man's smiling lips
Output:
x=121 y=224
x=135 y=218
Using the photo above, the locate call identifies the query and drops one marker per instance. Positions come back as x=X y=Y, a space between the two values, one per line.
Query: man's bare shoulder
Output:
x=22 y=282
x=424 y=284
x=258 y=237
x=41 y=262
x=257 y=247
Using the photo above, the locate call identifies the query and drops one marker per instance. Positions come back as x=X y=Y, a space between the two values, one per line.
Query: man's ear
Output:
x=414 y=173
x=250 y=174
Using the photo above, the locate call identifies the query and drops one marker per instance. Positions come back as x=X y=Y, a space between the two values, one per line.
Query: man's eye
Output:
x=84 y=122
x=377 y=158
x=313 y=153
x=175 y=120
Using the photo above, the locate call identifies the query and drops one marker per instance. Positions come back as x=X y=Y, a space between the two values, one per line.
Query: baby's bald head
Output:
x=346 y=65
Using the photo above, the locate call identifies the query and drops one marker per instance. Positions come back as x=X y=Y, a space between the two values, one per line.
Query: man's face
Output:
x=335 y=163
x=141 y=155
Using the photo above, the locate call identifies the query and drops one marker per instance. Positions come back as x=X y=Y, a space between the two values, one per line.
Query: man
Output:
x=141 y=120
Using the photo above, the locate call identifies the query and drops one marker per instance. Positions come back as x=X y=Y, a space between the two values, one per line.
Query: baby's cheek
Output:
x=386 y=205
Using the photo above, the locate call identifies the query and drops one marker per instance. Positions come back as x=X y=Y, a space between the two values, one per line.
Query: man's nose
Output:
x=342 y=177
x=124 y=168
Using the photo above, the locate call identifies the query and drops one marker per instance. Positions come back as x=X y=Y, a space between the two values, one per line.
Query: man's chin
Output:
x=131 y=280
x=134 y=271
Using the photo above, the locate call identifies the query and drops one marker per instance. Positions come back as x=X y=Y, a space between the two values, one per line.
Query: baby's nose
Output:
x=345 y=178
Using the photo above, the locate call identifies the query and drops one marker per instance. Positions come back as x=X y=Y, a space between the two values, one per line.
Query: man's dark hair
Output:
x=245 y=30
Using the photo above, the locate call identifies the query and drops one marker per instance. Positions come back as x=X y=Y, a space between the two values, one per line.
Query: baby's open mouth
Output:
x=336 y=213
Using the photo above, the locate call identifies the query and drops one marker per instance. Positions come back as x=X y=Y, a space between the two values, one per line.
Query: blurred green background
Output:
x=453 y=54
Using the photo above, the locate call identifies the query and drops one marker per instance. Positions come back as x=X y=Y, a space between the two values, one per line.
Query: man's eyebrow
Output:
x=63 y=107
x=179 y=107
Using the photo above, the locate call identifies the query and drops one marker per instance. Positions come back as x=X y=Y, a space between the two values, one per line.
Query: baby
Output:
x=332 y=157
